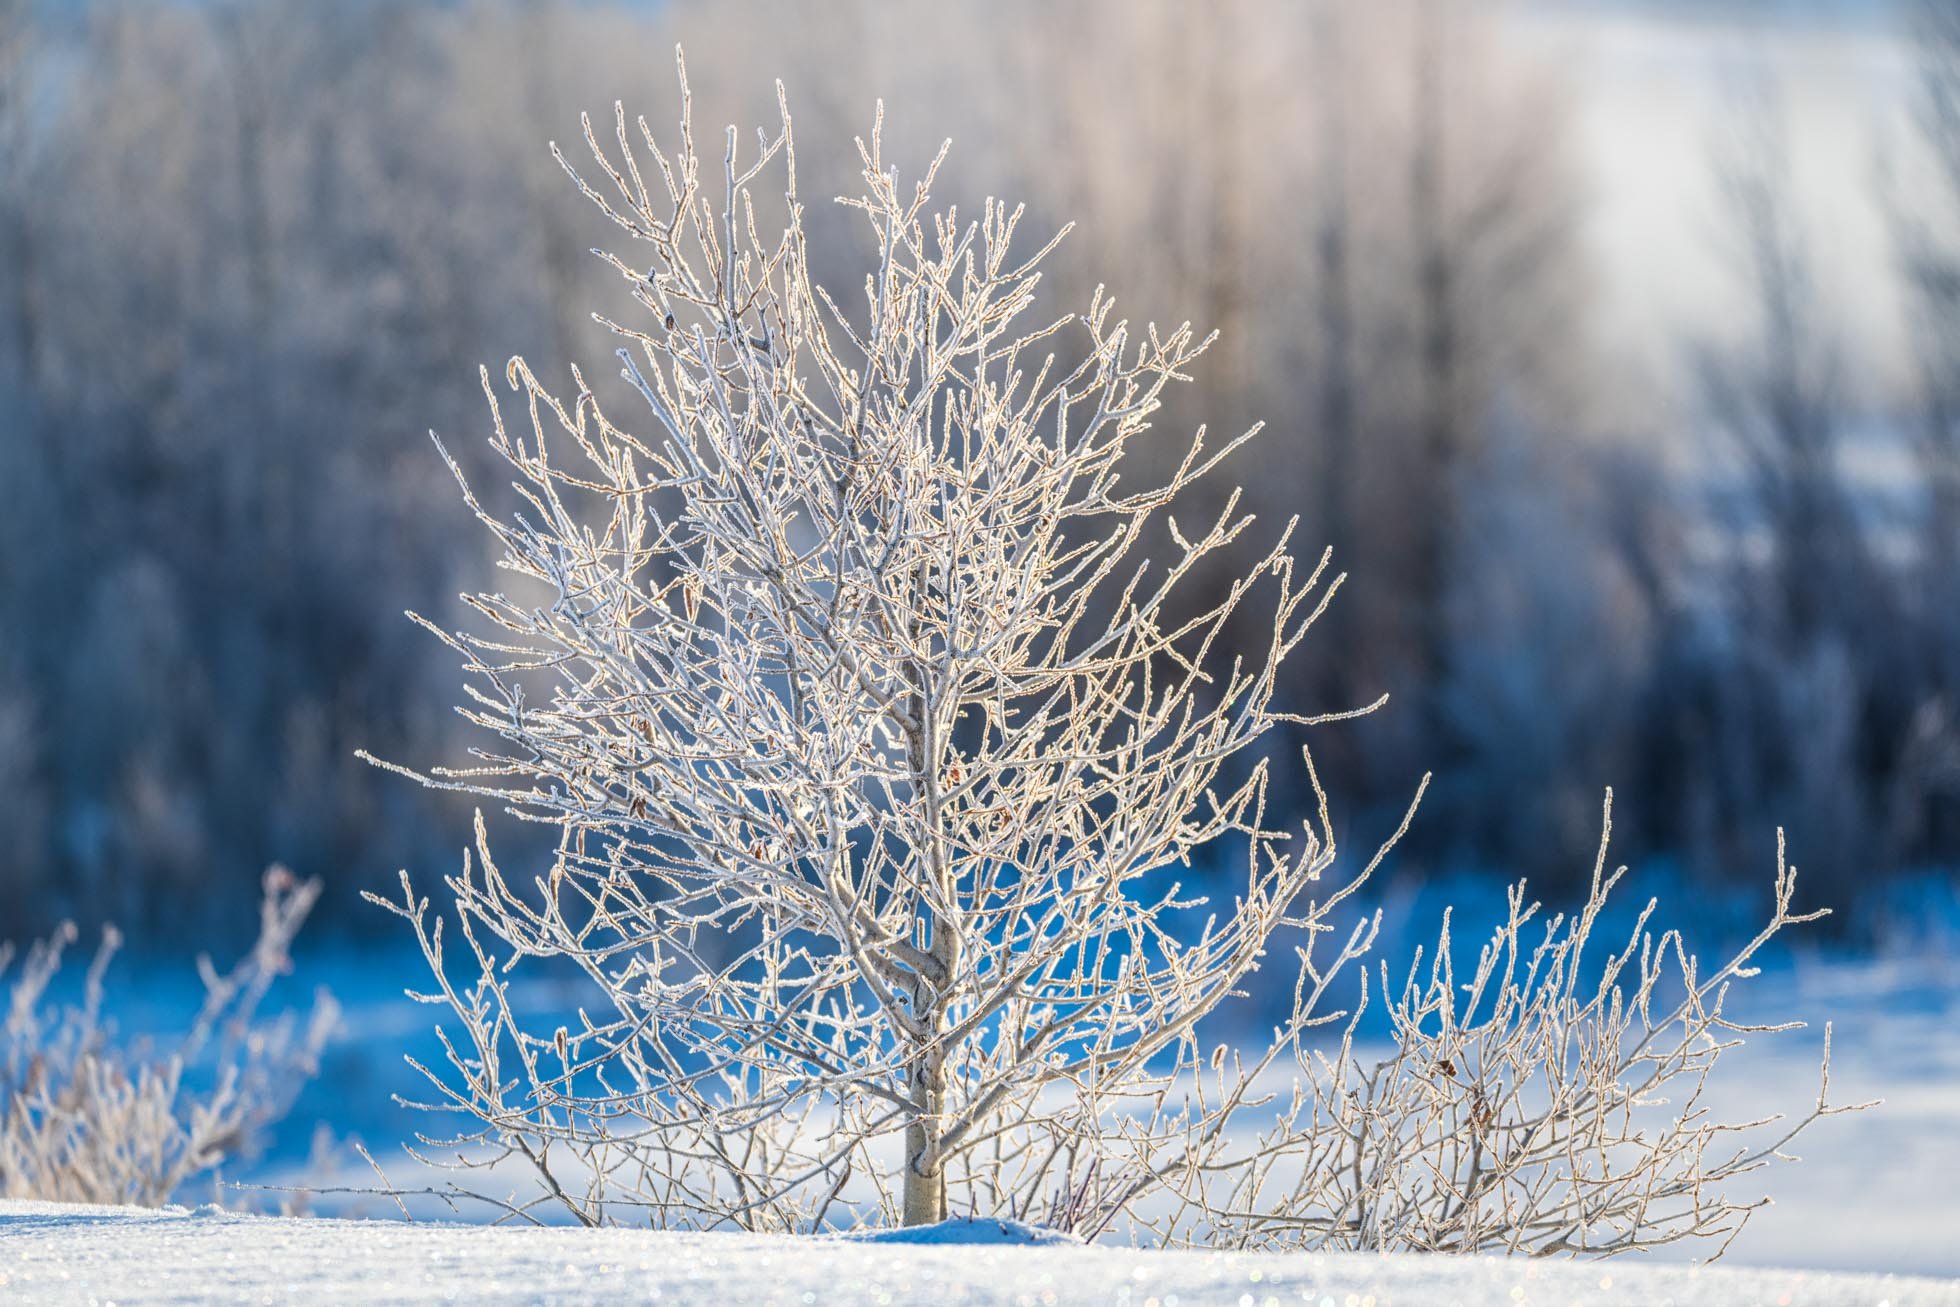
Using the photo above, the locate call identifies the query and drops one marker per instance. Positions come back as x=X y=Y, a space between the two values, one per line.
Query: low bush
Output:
x=87 y=1116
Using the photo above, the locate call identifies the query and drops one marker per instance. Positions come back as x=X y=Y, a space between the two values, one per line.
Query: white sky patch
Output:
x=1657 y=98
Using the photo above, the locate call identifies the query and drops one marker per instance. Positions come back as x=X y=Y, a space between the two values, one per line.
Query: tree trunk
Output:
x=1440 y=437
x=1335 y=290
x=925 y=1169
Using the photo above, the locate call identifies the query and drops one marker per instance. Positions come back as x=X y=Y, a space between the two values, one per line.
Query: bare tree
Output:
x=872 y=749
x=18 y=235
x=1781 y=397
x=1931 y=264
x=869 y=753
x=1925 y=795
x=1803 y=693
x=1333 y=232
x=1440 y=416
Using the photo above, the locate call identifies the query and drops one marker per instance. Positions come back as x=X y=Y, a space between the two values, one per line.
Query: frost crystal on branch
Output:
x=876 y=725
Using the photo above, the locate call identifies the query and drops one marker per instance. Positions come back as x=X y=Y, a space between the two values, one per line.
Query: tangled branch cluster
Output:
x=874 y=744
x=1543 y=1102
x=87 y=1119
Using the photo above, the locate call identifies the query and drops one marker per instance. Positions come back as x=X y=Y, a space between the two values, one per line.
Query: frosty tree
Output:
x=869 y=735
x=876 y=723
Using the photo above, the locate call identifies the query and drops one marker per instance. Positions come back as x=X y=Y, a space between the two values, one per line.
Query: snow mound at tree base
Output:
x=59 y=1254
x=969 y=1230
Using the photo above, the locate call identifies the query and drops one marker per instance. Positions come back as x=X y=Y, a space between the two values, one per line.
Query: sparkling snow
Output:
x=57 y=1254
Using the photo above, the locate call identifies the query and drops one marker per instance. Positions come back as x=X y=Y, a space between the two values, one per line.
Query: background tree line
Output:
x=251 y=251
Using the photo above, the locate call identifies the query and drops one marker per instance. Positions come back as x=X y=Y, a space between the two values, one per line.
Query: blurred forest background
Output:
x=1613 y=347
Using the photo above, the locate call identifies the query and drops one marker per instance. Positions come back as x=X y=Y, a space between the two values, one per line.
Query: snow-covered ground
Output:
x=55 y=1254
x=1875 y=1192
x=1879 y=1190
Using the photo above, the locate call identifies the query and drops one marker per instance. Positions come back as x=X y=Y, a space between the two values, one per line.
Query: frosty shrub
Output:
x=875 y=745
x=86 y=1118
x=1536 y=1101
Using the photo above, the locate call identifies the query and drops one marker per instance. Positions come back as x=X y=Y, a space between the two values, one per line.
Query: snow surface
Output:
x=969 y=1230
x=70 y=1254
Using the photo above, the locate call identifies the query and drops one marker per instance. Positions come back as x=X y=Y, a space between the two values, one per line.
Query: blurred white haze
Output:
x=1655 y=91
